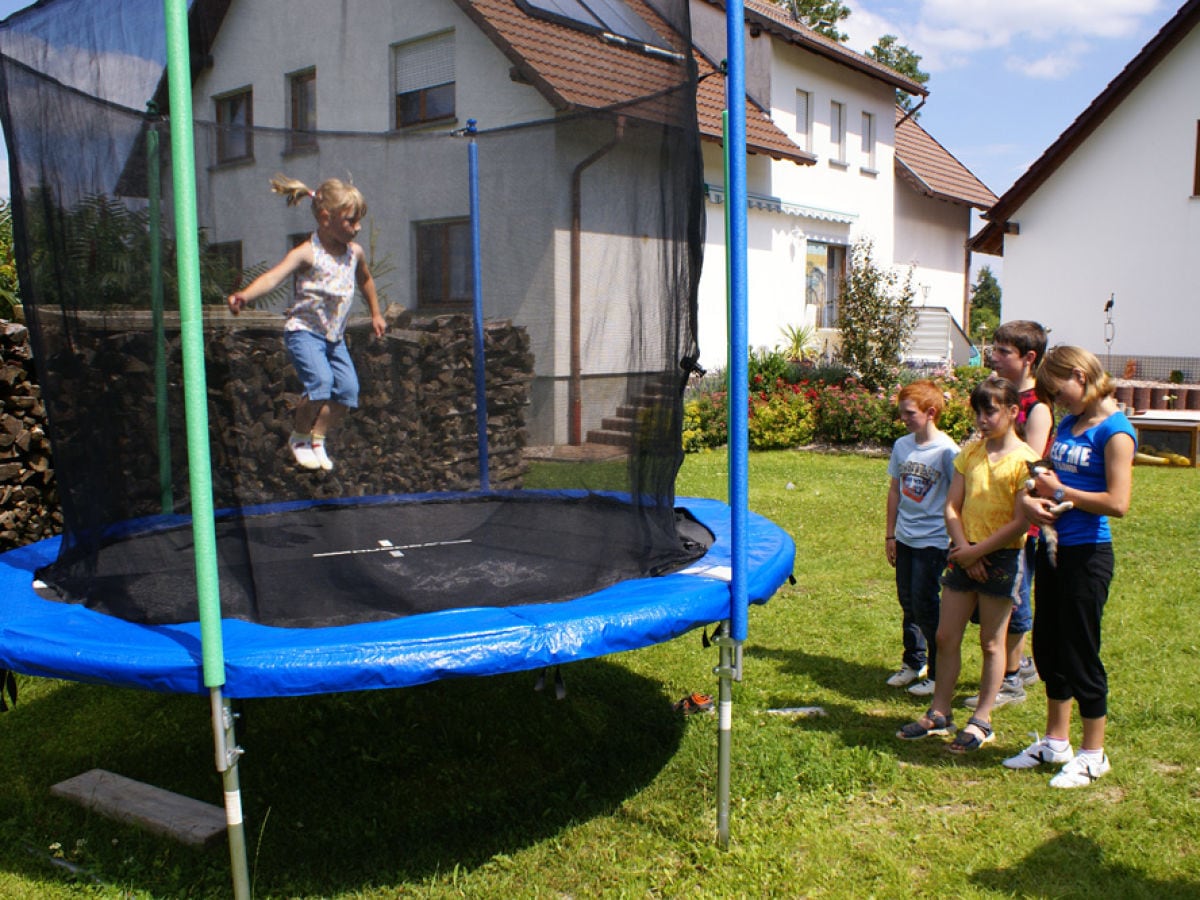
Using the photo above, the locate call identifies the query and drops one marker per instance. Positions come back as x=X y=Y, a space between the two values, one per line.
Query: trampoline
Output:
x=540 y=273
x=48 y=638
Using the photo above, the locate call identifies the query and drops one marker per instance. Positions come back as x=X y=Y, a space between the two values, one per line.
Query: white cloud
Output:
x=1040 y=20
x=1046 y=38
x=1053 y=66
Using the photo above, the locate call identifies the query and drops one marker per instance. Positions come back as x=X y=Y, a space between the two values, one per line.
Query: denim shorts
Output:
x=1005 y=570
x=324 y=367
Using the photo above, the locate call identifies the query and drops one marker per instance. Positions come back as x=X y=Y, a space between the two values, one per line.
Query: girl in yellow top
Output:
x=987 y=531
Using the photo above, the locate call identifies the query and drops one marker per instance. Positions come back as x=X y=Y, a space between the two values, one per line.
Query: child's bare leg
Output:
x=993 y=625
x=1093 y=733
x=1058 y=719
x=306 y=415
x=1015 y=651
x=952 y=623
x=328 y=417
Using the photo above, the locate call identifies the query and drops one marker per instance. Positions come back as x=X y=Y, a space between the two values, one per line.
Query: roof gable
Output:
x=990 y=239
x=774 y=19
x=933 y=170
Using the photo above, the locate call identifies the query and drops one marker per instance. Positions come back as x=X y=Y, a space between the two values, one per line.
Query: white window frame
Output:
x=804 y=120
x=837 y=133
x=868 y=144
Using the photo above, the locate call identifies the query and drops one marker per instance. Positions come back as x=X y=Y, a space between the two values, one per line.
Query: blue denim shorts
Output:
x=324 y=367
x=1005 y=572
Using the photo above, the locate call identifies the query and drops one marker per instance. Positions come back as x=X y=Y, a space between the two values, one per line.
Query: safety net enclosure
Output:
x=579 y=246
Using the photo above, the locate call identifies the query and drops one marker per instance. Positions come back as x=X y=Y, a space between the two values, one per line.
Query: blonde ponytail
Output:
x=293 y=191
x=332 y=195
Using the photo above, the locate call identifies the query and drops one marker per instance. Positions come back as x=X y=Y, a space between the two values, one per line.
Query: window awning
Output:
x=716 y=194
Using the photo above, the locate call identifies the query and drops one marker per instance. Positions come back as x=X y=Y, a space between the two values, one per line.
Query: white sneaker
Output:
x=318 y=451
x=1037 y=753
x=302 y=451
x=922 y=688
x=1081 y=771
x=1028 y=672
x=1011 y=691
x=907 y=675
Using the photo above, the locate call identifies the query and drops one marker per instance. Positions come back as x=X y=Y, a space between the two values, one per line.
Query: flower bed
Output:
x=800 y=405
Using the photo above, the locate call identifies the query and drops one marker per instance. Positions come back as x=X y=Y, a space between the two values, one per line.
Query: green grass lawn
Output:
x=485 y=788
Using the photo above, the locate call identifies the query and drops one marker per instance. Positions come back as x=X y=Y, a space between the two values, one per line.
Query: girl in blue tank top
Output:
x=1092 y=455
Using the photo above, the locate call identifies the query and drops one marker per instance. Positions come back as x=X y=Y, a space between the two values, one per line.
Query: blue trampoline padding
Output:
x=65 y=640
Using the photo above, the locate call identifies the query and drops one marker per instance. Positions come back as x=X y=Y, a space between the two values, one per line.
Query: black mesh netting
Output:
x=590 y=224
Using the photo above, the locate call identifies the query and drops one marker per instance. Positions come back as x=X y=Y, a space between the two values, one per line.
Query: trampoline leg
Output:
x=728 y=670
x=227 y=759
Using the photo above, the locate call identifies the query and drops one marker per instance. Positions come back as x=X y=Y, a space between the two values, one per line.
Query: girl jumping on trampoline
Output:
x=330 y=264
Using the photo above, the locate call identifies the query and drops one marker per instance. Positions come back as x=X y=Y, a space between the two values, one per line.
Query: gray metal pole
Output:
x=728 y=670
x=228 y=753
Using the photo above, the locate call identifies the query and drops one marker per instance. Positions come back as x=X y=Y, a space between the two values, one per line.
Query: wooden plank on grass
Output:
x=155 y=809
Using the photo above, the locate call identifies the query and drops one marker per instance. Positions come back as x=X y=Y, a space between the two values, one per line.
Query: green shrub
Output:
x=765 y=367
x=705 y=422
x=780 y=420
x=792 y=404
x=967 y=378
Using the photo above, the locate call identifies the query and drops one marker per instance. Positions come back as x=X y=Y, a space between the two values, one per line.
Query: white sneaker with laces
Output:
x=1037 y=753
x=1081 y=771
x=907 y=675
x=922 y=688
x=323 y=461
x=301 y=446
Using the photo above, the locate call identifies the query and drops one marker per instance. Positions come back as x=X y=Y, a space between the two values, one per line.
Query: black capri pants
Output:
x=1069 y=602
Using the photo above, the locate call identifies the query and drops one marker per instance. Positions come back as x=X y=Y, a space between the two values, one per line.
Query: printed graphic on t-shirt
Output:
x=917 y=480
x=1071 y=457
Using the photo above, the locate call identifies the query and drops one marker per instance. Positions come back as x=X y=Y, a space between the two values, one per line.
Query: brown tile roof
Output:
x=576 y=70
x=930 y=168
x=990 y=238
x=762 y=134
x=776 y=20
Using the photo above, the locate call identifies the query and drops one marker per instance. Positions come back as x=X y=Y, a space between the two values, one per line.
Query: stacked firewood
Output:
x=29 y=509
x=415 y=429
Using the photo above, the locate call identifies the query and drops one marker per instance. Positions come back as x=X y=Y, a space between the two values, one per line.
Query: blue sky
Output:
x=1006 y=76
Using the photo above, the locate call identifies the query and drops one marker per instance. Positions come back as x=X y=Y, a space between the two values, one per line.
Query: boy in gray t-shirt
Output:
x=921 y=468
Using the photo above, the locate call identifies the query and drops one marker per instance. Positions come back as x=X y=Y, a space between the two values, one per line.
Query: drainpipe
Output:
x=575 y=385
x=966 y=298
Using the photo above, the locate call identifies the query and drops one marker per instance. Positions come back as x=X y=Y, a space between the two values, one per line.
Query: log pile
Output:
x=29 y=509
x=414 y=430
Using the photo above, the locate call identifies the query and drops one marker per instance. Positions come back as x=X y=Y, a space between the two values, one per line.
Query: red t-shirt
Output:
x=1028 y=400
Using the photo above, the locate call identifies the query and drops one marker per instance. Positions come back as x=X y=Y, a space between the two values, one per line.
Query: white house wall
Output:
x=826 y=202
x=930 y=238
x=1117 y=219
